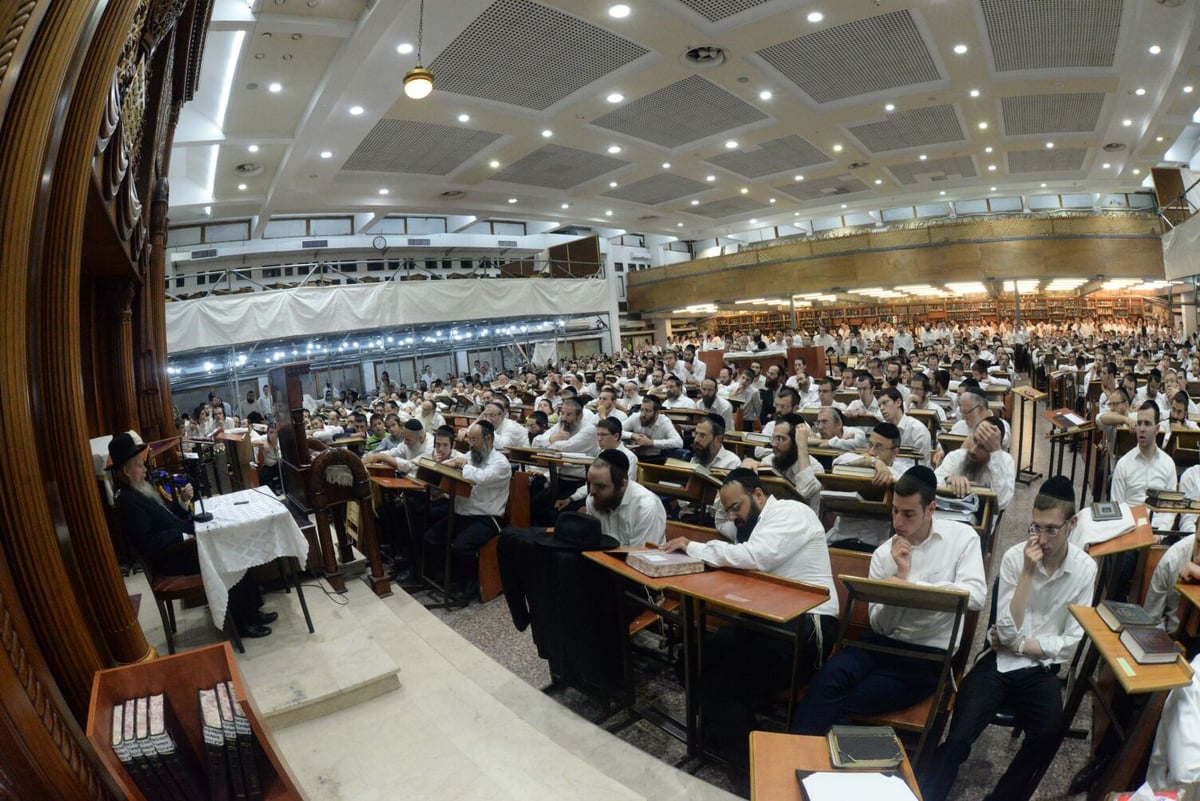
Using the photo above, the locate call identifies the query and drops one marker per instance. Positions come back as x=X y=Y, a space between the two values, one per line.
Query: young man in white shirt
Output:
x=1034 y=633
x=913 y=433
x=1145 y=467
x=650 y=430
x=743 y=667
x=924 y=551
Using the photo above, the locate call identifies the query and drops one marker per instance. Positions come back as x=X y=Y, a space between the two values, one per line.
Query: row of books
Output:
x=1140 y=634
x=145 y=739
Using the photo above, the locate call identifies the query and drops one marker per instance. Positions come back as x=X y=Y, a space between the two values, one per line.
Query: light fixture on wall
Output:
x=418 y=81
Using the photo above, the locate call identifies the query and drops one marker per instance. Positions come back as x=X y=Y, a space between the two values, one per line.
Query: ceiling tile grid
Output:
x=717 y=10
x=823 y=189
x=1060 y=159
x=525 y=54
x=874 y=54
x=657 y=189
x=1057 y=113
x=558 y=167
x=934 y=170
x=727 y=207
x=777 y=155
x=683 y=112
x=406 y=146
x=933 y=125
x=1052 y=34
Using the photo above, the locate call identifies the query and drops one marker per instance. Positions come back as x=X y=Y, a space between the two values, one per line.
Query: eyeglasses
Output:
x=1049 y=531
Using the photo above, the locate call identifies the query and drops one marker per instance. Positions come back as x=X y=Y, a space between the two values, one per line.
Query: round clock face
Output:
x=379 y=243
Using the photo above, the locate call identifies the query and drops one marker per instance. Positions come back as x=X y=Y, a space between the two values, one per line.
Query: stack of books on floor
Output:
x=146 y=738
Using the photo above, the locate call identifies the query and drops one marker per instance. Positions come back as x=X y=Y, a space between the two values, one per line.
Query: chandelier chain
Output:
x=420 y=30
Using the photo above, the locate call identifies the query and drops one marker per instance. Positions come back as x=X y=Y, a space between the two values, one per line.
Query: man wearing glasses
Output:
x=1033 y=634
x=867 y=533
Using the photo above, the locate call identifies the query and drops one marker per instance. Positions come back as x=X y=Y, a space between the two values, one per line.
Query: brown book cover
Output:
x=214 y=746
x=1118 y=616
x=233 y=757
x=1150 y=646
x=247 y=747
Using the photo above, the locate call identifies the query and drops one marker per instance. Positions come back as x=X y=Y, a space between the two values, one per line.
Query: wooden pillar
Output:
x=156 y=411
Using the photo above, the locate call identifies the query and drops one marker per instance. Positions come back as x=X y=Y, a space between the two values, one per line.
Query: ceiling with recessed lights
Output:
x=682 y=117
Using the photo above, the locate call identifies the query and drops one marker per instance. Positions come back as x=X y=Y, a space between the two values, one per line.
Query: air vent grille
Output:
x=204 y=254
x=312 y=244
x=417 y=242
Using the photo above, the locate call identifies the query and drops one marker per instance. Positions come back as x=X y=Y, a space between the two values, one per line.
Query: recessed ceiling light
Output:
x=614 y=149
x=666 y=165
x=815 y=16
x=612 y=184
x=1127 y=122
x=1105 y=166
x=987 y=149
x=795 y=214
x=326 y=154
x=678 y=225
x=942 y=192
x=878 y=181
x=1043 y=186
x=922 y=157
x=383 y=191
x=799 y=178
x=253 y=148
x=1137 y=172
x=1187 y=90
x=890 y=107
x=745 y=190
x=615 y=97
x=1158 y=139
x=608 y=213
x=275 y=87
x=837 y=148
x=495 y=165
x=1139 y=91
x=619 y=11
x=512 y=200
x=991 y=168
x=566 y=205
x=242 y=187
x=404 y=48
x=843 y=205
x=547 y=133
x=960 y=49
x=464 y=117
x=1050 y=145
x=695 y=202
x=771 y=200
x=710 y=178
x=731 y=144
x=1154 y=50
x=974 y=93
x=765 y=94
x=993 y=189
x=983 y=125
x=356 y=110
x=753 y=221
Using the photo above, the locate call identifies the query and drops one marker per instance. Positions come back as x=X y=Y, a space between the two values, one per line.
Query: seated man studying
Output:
x=742 y=668
x=163 y=533
x=924 y=551
x=1034 y=633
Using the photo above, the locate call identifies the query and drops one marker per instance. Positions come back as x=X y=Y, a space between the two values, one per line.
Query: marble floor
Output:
x=388 y=699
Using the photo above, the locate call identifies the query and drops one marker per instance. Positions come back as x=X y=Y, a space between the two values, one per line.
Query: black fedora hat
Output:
x=577 y=532
x=124 y=447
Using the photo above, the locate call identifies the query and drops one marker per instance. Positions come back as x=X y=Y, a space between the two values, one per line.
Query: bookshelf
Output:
x=178 y=677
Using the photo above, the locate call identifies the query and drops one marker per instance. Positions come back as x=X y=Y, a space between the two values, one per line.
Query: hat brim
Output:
x=548 y=540
x=140 y=454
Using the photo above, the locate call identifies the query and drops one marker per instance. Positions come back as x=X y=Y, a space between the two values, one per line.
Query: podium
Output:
x=1029 y=401
x=455 y=485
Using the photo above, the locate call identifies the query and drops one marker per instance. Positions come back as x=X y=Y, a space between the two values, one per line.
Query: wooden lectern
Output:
x=454 y=485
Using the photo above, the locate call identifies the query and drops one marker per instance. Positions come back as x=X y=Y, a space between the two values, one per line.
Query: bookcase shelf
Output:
x=179 y=677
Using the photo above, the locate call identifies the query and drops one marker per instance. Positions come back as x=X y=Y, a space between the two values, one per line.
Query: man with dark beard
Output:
x=789 y=457
x=743 y=667
x=627 y=511
x=708 y=444
x=713 y=403
x=477 y=518
x=570 y=435
x=163 y=534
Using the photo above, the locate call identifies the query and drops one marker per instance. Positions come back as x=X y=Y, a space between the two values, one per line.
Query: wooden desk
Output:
x=748 y=593
x=1106 y=552
x=1189 y=609
x=775 y=758
x=452 y=482
x=1157 y=680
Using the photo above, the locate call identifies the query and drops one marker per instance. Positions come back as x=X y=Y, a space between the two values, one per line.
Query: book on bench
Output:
x=657 y=564
x=1119 y=616
x=1150 y=646
x=864 y=747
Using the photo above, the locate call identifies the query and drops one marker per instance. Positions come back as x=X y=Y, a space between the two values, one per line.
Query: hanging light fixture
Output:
x=418 y=81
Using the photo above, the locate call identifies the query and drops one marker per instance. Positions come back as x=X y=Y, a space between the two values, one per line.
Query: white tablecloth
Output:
x=248 y=528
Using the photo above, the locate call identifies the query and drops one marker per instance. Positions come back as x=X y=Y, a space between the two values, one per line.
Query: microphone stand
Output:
x=194 y=478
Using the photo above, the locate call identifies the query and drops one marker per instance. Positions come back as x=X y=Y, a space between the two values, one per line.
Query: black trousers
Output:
x=244 y=597
x=471 y=532
x=1034 y=693
x=743 y=668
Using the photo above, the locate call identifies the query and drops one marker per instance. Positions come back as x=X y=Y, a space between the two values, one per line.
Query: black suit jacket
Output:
x=151 y=527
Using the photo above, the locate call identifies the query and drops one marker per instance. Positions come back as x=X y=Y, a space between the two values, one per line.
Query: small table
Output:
x=248 y=528
x=1141 y=538
x=775 y=758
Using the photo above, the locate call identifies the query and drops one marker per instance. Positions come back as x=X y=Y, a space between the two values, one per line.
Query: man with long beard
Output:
x=627 y=511
x=789 y=457
x=708 y=445
x=981 y=461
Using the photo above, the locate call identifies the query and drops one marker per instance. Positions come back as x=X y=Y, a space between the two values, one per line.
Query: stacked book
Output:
x=145 y=737
x=1145 y=641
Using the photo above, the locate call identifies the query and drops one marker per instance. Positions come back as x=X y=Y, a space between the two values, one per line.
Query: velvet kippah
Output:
x=1059 y=487
x=615 y=458
x=413 y=424
x=922 y=474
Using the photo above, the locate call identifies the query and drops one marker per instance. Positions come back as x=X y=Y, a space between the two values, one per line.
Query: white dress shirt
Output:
x=869 y=529
x=511 y=433
x=1047 y=618
x=915 y=434
x=583 y=440
x=949 y=558
x=721 y=407
x=489 y=496
x=724 y=460
x=805 y=481
x=682 y=402
x=662 y=432
x=406 y=456
x=1162 y=599
x=1135 y=474
x=582 y=492
x=999 y=474
x=962 y=428
x=788 y=540
x=640 y=518
x=1189 y=485
x=851 y=439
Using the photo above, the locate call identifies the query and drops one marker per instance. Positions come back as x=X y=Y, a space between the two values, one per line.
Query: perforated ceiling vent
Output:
x=417 y=147
x=525 y=54
x=869 y=55
x=902 y=129
x=1034 y=114
x=823 y=189
x=1060 y=159
x=683 y=112
x=558 y=167
x=716 y=10
x=1050 y=34
x=727 y=207
x=934 y=170
x=777 y=155
x=657 y=189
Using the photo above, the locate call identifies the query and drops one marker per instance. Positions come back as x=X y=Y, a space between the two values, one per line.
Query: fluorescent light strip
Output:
x=235 y=54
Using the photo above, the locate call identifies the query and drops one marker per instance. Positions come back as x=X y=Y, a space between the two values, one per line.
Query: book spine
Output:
x=181 y=766
x=233 y=757
x=247 y=747
x=214 y=746
x=150 y=783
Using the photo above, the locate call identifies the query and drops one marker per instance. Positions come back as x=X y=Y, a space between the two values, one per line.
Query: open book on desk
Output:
x=853 y=786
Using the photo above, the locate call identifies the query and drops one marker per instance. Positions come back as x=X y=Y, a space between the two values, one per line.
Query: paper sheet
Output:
x=839 y=786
